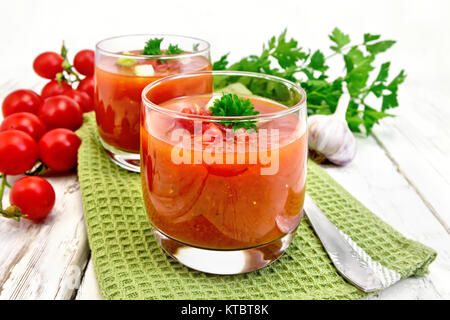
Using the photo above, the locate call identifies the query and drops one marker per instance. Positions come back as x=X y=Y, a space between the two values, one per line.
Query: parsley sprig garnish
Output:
x=173 y=49
x=287 y=59
x=153 y=47
x=231 y=105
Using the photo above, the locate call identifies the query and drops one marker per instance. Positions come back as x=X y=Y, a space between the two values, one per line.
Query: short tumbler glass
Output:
x=224 y=195
x=121 y=73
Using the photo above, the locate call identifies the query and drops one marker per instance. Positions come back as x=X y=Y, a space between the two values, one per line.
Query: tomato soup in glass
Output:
x=224 y=194
x=122 y=71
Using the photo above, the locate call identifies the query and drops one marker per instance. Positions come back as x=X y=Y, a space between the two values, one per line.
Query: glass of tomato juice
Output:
x=224 y=194
x=122 y=71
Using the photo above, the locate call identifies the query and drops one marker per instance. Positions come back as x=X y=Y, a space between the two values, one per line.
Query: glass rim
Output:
x=159 y=56
x=149 y=104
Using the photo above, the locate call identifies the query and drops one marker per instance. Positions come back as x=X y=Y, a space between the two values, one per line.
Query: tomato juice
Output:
x=118 y=90
x=226 y=204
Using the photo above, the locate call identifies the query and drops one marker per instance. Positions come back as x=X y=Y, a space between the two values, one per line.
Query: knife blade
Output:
x=351 y=261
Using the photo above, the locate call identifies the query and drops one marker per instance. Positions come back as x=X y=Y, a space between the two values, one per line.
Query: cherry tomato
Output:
x=84 y=62
x=87 y=85
x=34 y=196
x=48 y=64
x=26 y=122
x=54 y=88
x=83 y=99
x=61 y=112
x=21 y=101
x=58 y=149
x=18 y=152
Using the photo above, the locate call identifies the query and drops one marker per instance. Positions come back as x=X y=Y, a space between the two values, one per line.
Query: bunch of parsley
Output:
x=288 y=60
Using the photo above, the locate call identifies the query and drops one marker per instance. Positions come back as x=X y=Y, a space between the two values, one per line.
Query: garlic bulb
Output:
x=330 y=135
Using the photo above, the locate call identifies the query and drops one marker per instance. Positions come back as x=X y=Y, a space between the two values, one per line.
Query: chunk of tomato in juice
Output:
x=188 y=124
x=211 y=133
x=162 y=66
x=242 y=210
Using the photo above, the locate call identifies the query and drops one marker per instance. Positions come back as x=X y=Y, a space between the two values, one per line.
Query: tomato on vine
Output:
x=83 y=99
x=48 y=64
x=61 y=112
x=87 y=85
x=58 y=149
x=18 y=152
x=26 y=122
x=55 y=87
x=84 y=62
x=34 y=196
x=21 y=101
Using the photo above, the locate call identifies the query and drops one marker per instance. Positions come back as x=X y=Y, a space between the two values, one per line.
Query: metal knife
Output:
x=351 y=261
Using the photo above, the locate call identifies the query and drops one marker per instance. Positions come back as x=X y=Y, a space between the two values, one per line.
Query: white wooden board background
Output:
x=402 y=172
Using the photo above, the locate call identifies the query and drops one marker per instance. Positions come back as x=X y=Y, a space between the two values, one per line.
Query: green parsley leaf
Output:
x=370 y=37
x=389 y=101
x=357 y=78
x=378 y=89
x=371 y=117
x=339 y=38
x=355 y=56
x=380 y=46
x=318 y=61
x=287 y=53
x=353 y=117
x=393 y=86
x=173 y=49
x=384 y=72
x=222 y=63
x=231 y=105
x=152 y=47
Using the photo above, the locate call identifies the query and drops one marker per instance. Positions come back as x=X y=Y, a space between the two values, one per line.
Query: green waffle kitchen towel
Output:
x=129 y=264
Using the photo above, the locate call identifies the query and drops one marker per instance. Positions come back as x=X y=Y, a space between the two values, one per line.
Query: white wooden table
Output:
x=401 y=172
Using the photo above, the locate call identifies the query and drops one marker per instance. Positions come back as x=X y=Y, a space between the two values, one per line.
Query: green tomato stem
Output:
x=12 y=212
x=2 y=190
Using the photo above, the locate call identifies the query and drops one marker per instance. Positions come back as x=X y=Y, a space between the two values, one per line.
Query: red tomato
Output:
x=189 y=124
x=87 y=85
x=58 y=149
x=21 y=101
x=84 y=62
x=54 y=88
x=26 y=122
x=48 y=64
x=18 y=152
x=34 y=196
x=83 y=99
x=186 y=123
x=61 y=112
